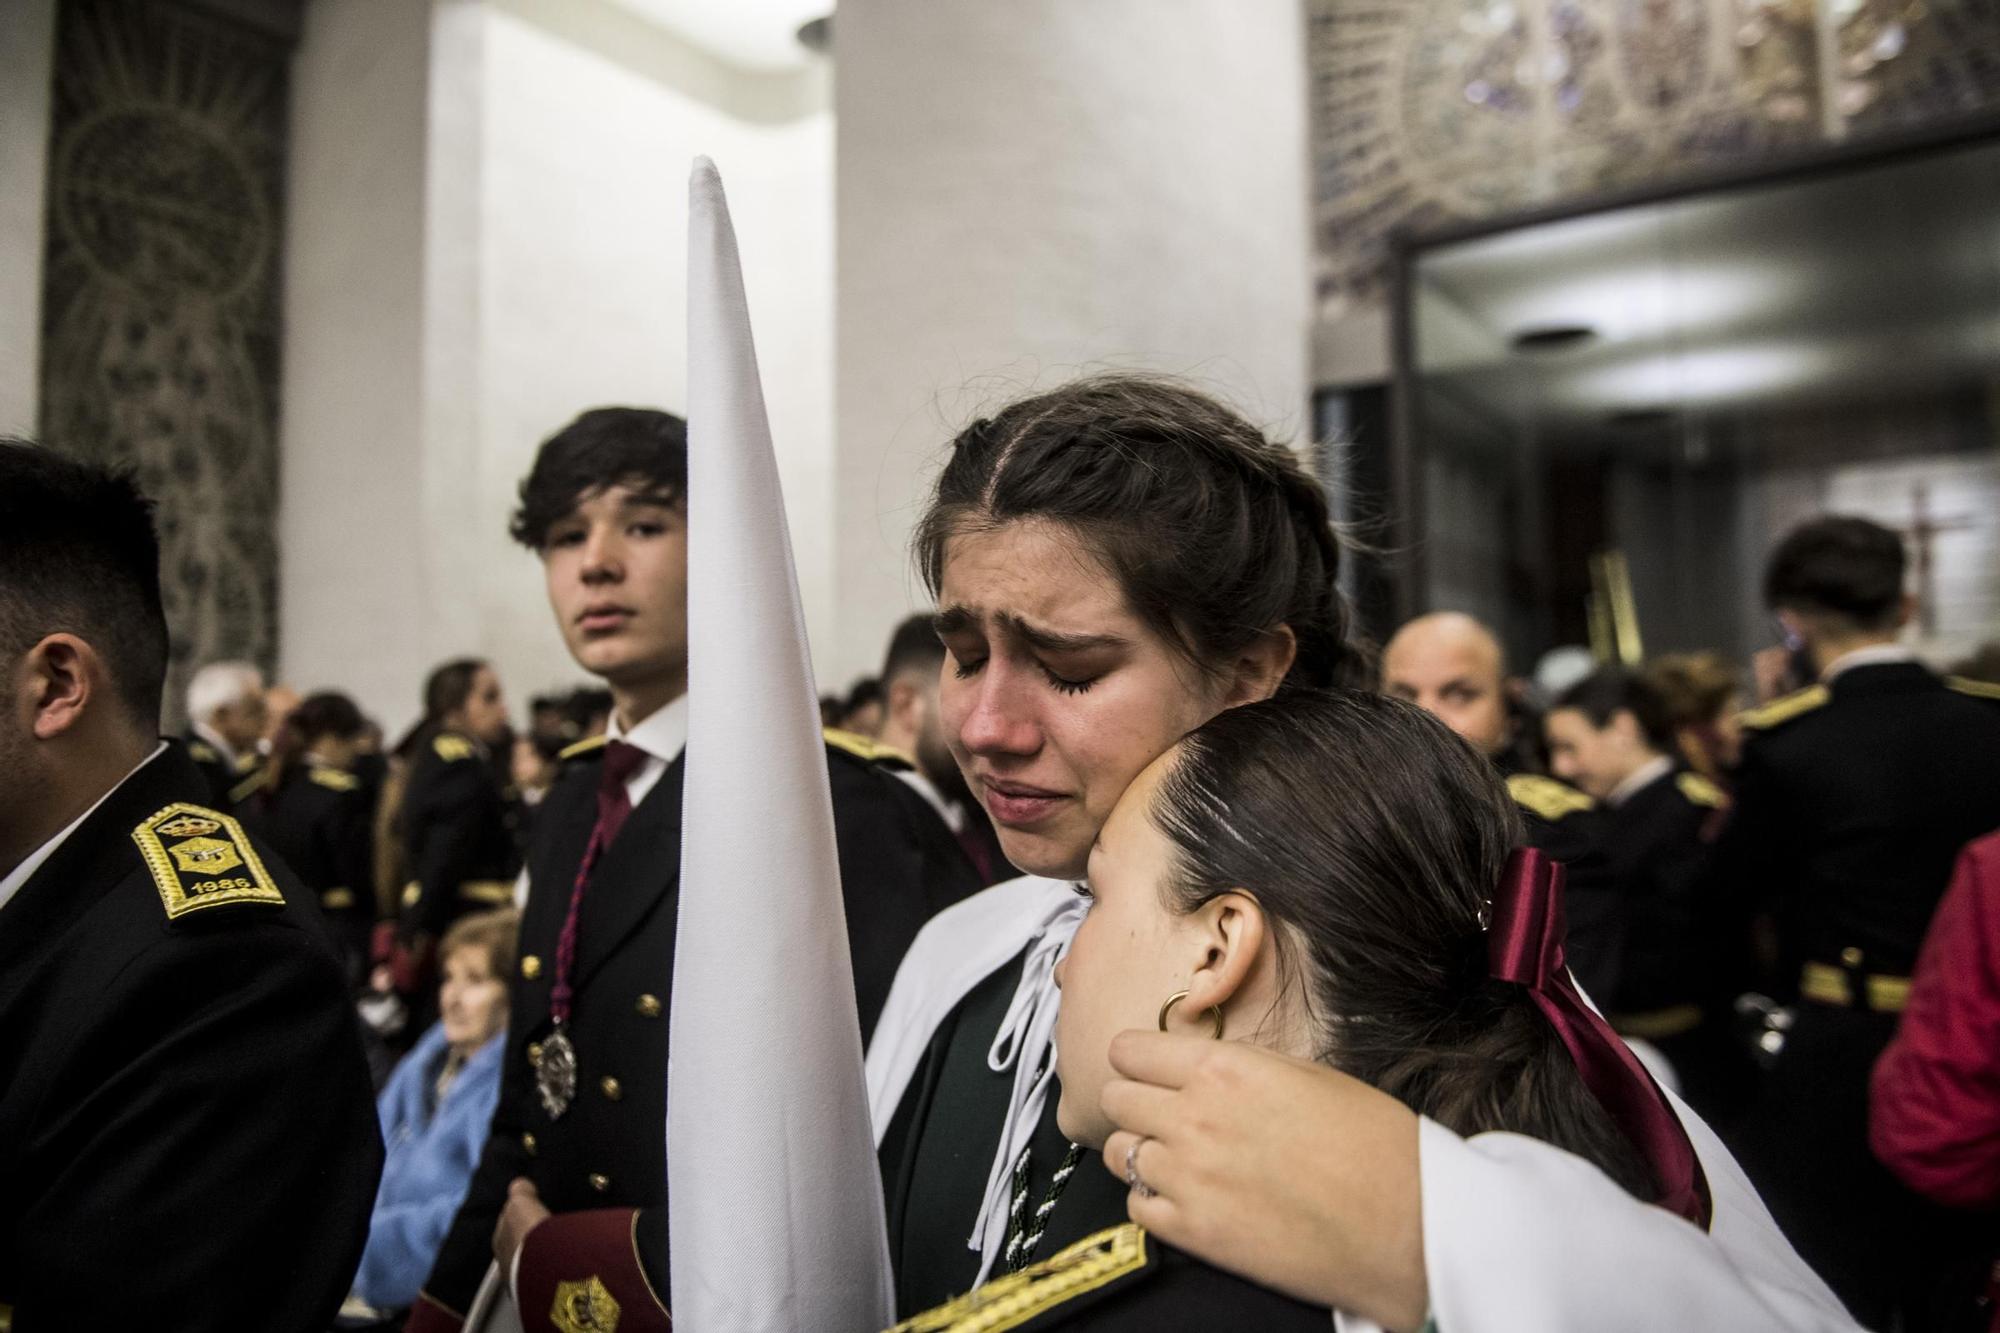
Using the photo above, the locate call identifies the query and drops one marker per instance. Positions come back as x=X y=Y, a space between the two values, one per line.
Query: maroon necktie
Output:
x=614 y=806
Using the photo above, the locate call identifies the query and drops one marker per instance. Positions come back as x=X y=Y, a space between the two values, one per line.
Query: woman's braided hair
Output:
x=1216 y=534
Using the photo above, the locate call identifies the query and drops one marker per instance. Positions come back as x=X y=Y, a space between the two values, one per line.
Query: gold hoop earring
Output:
x=1213 y=1013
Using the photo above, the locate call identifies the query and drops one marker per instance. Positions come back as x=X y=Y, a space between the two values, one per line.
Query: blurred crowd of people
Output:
x=1140 y=675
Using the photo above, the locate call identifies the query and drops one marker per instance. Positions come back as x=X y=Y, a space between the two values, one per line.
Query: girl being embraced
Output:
x=1334 y=878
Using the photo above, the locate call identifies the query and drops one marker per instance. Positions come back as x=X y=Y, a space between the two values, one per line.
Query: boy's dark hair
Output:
x=1608 y=691
x=1838 y=565
x=1394 y=833
x=1216 y=535
x=606 y=446
x=867 y=690
x=79 y=553
x=914 y=649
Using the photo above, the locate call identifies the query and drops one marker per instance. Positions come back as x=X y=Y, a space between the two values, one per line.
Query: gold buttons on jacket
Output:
x=534 y=1052
x=528 y=1142
x=531 y=967
x=611 y=1088
x=648 y=1006
x=1851 y=956
x=600 y=1183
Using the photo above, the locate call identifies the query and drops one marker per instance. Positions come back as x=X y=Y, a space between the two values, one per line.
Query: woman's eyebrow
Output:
x=954 y=620
x=1055 y=641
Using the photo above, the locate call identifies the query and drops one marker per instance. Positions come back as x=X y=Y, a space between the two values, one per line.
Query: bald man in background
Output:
x=1453 y=667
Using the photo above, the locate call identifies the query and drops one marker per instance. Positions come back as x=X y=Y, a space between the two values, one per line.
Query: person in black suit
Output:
x=316 y=811
x=226 y=720
x=1611 y=735
x=1852 y=801
x=453 y=826
x=570 y=1193
x=1453 y=667
x=912 y=742
x=187 y=1135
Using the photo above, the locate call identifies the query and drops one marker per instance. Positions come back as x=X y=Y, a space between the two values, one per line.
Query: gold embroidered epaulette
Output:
x=200 y=858
x=582 y=747
x=1780 y=711
x=451 y=748
x=204 y=753
x=1700 y=791
x=1546 y=797
x=863 y=748
x=335 y=780
x=1011 y=1301
x=248 y=763
x=1978 y=689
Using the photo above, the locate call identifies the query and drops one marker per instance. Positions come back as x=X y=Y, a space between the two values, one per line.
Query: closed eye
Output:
x=1064 y=685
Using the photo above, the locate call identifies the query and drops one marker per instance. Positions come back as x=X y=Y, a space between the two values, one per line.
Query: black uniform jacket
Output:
x=188 y=1139
x=457 y=842
x=1121 y=1280
x=1852 y=801
x=939 y=1147
x=1660 y=848
x=321 y=822
x=601 y=1166
x=1571 y=828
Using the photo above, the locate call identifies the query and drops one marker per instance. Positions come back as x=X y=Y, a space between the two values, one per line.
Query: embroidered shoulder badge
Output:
x=583 y=747
x=1783 y=710
x=335 y=780
x=1546 y=797
x=451 y=748
x=200 y=858
x=1700 y=791
x=1011 y=1301
x=584 y=1307
x=1978 y=689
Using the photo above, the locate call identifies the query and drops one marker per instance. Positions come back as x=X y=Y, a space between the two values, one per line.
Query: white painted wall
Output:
x=27 y=58
x=489 y=235
x=355 y=593
x=1044 y=186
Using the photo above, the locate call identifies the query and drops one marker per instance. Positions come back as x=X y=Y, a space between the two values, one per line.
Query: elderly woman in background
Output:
x=436 y=1109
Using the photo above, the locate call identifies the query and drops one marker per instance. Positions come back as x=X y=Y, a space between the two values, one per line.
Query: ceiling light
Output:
x=1553 y=337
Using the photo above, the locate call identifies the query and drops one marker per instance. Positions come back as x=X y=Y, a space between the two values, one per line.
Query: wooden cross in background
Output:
x=1921 y=531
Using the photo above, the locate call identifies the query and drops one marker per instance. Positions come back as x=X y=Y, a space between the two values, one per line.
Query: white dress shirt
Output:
x=21 y=873
x=1639 y=779
x=662 y=735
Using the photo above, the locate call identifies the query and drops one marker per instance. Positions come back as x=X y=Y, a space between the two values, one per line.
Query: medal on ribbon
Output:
x=555 y=1072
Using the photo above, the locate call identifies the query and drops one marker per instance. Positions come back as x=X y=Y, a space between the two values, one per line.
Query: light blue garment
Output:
x=431 y=1154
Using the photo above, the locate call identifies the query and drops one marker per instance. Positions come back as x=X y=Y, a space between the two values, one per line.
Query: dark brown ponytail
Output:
x=1373 y=837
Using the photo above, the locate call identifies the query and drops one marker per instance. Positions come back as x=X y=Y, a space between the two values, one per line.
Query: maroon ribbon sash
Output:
x=1524 y=945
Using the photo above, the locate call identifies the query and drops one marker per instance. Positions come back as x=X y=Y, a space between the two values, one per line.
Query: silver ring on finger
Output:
x=1132 y=1178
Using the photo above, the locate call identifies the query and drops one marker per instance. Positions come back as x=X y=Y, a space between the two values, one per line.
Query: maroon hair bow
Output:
x=1524 y=945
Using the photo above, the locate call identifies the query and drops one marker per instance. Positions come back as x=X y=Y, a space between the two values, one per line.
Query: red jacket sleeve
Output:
x=1934 y=1108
